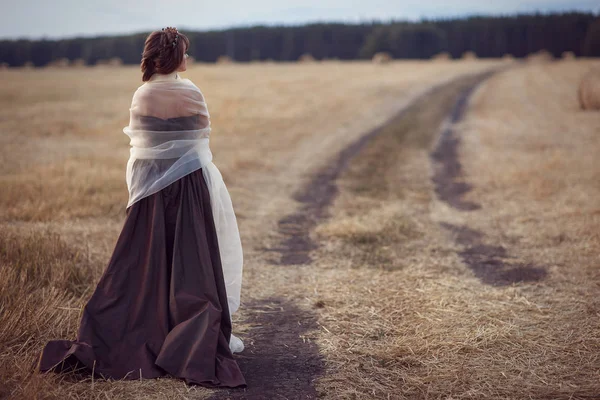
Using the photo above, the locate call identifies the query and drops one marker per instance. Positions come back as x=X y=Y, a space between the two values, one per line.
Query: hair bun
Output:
x=164 y=51
x=172 y=29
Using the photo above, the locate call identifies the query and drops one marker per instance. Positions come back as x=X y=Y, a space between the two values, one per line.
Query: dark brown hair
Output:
x=159 y=53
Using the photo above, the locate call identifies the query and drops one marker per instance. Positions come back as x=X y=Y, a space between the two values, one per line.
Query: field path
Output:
x=490 y=263
x=280 y=360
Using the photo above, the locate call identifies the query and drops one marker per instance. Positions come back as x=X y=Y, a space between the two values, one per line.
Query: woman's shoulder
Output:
x=137 y=94
x=191 y=84
x=182 y=90
x=197 y=93
x=181 y=83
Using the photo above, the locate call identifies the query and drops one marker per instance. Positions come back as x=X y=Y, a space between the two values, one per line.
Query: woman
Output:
x=164 y=303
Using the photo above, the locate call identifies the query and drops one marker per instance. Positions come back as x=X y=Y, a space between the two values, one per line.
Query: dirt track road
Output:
x=281 y=361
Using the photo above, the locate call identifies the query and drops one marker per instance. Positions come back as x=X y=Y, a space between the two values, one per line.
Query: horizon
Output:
x=133 y=22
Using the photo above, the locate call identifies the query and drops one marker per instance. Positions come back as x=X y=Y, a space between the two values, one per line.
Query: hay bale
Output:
x=382 y=58
x=114 y=62
x=443 y=56
x=110 y=62
x=59 y=63
x=568 y=55
x=541 y=56
x=589 y=90
x=469 y=55
x=79 y=62
x=224 y=60
x=306 y=58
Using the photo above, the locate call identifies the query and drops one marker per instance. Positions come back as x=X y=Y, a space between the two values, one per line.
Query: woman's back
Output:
x=164 y=303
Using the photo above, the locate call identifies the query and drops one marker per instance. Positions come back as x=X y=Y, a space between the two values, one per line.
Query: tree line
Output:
x=486 y=36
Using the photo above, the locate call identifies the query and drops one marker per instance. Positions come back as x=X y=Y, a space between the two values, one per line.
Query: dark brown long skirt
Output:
x=161 y=306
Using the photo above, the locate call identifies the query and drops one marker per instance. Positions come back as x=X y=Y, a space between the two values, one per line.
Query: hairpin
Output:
x=174 y=30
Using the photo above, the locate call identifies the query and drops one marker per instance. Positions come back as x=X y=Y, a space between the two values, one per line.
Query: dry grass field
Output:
x=415 y=296
x=387 y=308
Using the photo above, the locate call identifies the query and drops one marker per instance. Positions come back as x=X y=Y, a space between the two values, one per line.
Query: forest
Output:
x=486 y=36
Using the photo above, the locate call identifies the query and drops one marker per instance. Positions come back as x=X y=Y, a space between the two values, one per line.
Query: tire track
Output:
x=318 y=193
x=277 y=362
x=280 y=360
x=491 y=264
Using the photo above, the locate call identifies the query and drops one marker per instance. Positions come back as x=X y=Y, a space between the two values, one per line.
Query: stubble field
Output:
x=382 y=285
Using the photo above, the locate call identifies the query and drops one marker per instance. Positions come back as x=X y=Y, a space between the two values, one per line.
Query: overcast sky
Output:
x=70 y=18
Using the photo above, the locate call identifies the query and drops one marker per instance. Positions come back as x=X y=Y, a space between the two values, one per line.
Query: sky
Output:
x=54 y=19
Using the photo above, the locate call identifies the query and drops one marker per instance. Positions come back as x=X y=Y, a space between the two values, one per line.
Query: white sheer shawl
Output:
x=179 y=148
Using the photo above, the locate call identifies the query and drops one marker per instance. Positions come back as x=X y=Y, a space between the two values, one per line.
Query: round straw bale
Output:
x=224 y=60
x=568 y=55
x=306 y=58
x=79 y=62
x=443 y=56
x=382 y=58
x=114 y=62
x=589 y=90
x=58 y=63
x=541 y=56
x=469 y=55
